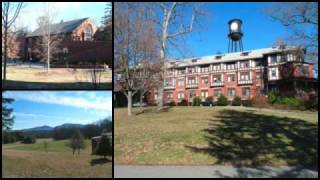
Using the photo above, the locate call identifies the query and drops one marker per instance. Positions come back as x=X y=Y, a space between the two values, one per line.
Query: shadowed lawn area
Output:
x=217 y=135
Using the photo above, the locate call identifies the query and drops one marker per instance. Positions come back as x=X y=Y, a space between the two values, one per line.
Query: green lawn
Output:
x=52 y=146
x=31 y=160
x=216 y=135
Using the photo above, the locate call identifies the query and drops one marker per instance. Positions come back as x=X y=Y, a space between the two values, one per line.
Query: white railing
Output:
x=169 y=87
x=220 y=83
x=192 y=85
x=245 y=81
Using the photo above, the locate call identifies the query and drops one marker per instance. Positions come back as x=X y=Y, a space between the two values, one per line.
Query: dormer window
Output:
x=244 y=54
x=218 y=57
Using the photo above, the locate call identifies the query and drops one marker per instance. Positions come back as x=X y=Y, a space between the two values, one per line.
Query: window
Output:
x=180 y=95
x=273 y=72
x=169 y=95
x=192 y=94
x=291 y=57
x=191 y=81
x=204 y=94
x=217 y=92
x=231 y=78
x=155 y=96
x=204 y=69
x=258 y=75
x=191 y=70
x=259 y=63
x=216 y=78
x=260 y=91
x=181 y=71
x=204 y=80
x=216 y=67
x=181 y=82
x=244 y=76
x=88 y=33
x=245 y=92
x=169 y=72
x=304 y=70
x=273 y=59
x=168 y=82
x=231 y=92
x=244 y=64
x=230 y=66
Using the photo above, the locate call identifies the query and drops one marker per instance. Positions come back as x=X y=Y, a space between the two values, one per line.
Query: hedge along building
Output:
x=80 y=42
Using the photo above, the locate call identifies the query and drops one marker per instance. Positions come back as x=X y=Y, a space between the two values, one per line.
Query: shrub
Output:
x=236 y=101
x=29 y=140
x=196 y=101
x=260 y=102
x=222 y=101
x=290 y=102
x=272 y=98
x=172 y=103
x=104 y=147
x=184 y=102
x=209 y=99
x=247 y=102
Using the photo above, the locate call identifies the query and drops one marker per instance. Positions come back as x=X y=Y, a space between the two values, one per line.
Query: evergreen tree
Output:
x=104 y=146
x=107 y=22
x=7 y=117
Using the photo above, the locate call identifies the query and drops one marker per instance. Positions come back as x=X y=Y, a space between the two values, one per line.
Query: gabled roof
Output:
x=62 y=27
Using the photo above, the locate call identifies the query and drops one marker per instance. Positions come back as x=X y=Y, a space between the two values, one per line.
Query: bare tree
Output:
x=10 y=12
x=132 y=40
x=47 y=45
x=172 y=27
x=302 y=19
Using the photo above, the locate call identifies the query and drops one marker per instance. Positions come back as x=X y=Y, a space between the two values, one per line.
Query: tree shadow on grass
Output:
x=247 y=139
x=99 y=161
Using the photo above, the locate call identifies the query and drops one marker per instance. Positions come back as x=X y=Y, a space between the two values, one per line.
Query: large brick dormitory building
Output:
x=245 y=74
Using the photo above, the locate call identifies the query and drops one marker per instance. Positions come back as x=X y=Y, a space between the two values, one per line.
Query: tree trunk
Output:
x=141 y=98
x=160 y=88
x=48 y=56
x=129 y=98
x=5 y=53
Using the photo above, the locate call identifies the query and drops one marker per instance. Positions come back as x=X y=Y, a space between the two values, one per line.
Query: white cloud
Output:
x=100 y=103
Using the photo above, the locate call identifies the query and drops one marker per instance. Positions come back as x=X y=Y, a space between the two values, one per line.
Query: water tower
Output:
x=235 y=35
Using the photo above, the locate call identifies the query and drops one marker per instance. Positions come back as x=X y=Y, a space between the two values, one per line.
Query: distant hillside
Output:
x=69 y=125
x=40 y=128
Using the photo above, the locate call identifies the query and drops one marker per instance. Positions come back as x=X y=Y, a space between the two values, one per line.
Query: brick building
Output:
x=80 y=38
x=245 y=74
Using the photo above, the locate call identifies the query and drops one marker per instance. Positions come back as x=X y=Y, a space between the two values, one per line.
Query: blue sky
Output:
x=260 y=31
x=52 y=108
x=63 y=11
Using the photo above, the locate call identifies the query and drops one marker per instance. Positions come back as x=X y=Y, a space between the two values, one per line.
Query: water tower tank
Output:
x=235 y=35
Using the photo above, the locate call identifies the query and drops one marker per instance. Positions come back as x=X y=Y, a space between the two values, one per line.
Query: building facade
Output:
x=244 y=74
x=78 y=41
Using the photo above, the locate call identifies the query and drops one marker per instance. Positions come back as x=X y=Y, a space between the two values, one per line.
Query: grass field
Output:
x=30 y=160
x=57 y=78
x=216 y=135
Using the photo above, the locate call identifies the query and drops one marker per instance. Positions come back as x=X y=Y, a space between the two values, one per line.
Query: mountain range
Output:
x=48 y=128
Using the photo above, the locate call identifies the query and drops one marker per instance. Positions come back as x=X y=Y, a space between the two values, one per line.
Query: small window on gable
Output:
x=88 y=33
